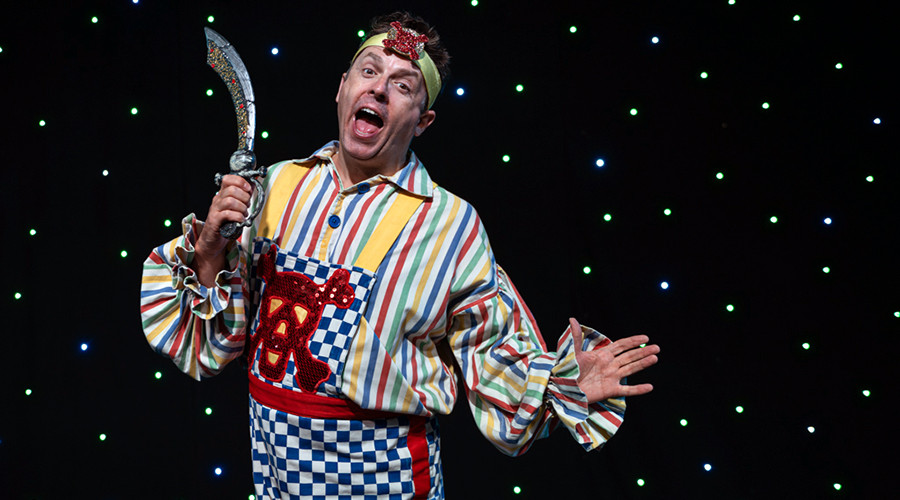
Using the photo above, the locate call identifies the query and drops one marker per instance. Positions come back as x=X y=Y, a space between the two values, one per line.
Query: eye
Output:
x=368 y=71
x=403 y=87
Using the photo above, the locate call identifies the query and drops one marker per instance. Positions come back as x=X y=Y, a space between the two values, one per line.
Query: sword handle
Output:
x=243 y=163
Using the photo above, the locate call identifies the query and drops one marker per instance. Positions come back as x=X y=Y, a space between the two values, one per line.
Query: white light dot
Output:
x=600 y=162
x=664 y=285
x=274 y=51
x=218 y=471
x=655 y=40
x=827 y=220
x=707 y=467
x=460 y=91
x=84 y=347
x=729 y=307
x=811 y=429
x=877 y=121
x=105 y=173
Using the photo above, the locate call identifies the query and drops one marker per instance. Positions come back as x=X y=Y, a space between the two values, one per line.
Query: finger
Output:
x=636 y=354
x=638 y=365
x=237 y=181
x=627 y=344
x=577 y=336
x=234 y=192
x=635 y=390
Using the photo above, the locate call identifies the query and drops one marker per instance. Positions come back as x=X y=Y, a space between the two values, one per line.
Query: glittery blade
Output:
x=224 y=59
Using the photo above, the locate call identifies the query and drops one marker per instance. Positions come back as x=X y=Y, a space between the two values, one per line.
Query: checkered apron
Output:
x=308 y=440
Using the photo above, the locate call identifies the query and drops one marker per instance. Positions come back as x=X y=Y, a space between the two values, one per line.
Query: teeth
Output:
x=369 y=111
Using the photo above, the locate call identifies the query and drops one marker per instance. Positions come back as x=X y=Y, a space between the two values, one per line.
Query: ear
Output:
x=340 y=85
x=425 y=120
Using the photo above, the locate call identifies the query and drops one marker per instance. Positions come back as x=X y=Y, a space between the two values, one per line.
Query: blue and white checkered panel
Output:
x=329 y=343
x=325 y=459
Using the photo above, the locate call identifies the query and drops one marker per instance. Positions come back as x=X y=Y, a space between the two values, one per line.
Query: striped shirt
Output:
x=440 y=304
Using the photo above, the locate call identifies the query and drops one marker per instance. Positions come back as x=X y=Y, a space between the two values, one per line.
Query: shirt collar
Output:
x=412 y=178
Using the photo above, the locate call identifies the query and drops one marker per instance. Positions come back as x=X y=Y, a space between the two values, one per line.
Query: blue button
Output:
x=334 y=221
x=363 y=188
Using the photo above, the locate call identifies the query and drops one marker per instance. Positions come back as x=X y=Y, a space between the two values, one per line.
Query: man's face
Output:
x=380 y=109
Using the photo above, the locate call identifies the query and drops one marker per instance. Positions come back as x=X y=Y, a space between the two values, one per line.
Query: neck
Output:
x=352 y=171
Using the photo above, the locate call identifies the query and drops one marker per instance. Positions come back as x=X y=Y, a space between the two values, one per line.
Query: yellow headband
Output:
x=416 y=54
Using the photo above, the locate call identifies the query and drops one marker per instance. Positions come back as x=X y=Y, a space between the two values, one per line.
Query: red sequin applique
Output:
x=405 y=41
x=290 y=311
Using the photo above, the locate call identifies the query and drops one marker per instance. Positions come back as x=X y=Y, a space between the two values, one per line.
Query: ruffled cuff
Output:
x=590 y=424
x=205 y=302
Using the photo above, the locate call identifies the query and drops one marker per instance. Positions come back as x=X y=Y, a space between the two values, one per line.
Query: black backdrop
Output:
x=69 y=85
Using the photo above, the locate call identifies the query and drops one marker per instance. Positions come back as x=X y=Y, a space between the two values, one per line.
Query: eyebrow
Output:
x=402 y=72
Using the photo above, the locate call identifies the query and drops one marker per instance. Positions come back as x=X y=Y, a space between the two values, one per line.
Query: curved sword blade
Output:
x=224 y=59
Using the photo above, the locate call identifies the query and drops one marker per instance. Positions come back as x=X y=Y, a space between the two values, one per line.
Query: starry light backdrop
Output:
x=720 y=175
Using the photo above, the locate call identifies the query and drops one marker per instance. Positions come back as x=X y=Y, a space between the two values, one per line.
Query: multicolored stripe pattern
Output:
x=438 y=289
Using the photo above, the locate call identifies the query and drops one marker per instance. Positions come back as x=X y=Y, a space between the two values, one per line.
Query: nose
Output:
x=378 y=90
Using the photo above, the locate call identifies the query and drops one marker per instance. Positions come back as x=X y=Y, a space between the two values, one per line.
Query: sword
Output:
x=224 y=59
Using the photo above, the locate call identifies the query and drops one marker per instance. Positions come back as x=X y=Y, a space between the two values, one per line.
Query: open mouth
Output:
x=368 y=122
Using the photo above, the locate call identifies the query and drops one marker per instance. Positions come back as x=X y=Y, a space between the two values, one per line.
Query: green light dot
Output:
x=633 y=112
x=517 y=490
x=17 y=295
x=95 y=20
x=1 y=50
x=42 y=123
x=729 y=308
x=870 y=178
x=607 y=217
x=838 y=66
x=157 y=375
x=739 y=409
x=208 y=411
x=102 y=437
x=573 y=29
x=640 y=482
x=765 y=105
x=505 y=158
x=32 y=232
x=805 y=346
x=361 y=33
x=209 y=92
x=796 y=17
x=210 y=19
x=667 y=212
x=773 y=219
x=866 y=392
x=683 y=422
x=720 y=176
x=264 y=134
x=134 y=111
x=251 y=497
x=704 y=75
x=474 y=3
x=826 y=269
x=124 y=253
x=897 y=314
x=28 y=392
x=837 y=486
x=586 y=270
x=167 y=222
x=731 y=2
x=520 y=88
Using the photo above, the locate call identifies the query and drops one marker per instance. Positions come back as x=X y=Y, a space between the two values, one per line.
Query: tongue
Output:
x=366 y=127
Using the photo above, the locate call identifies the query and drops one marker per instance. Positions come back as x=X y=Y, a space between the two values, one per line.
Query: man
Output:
x=366 y=287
